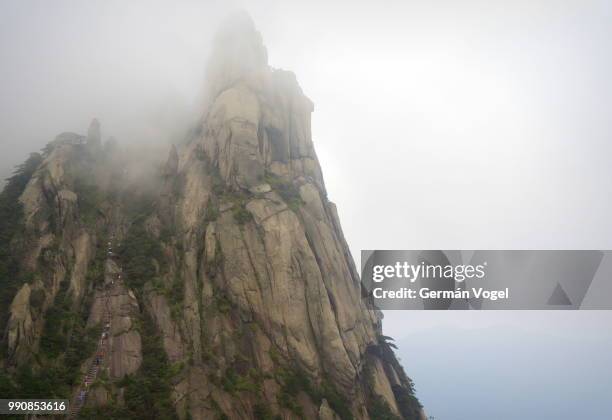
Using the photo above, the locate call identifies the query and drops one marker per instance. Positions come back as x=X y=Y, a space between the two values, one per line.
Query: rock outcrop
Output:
x=233 y=295
x=259 y=234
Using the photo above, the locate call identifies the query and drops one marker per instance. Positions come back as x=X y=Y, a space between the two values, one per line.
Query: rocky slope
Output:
x=239 y=296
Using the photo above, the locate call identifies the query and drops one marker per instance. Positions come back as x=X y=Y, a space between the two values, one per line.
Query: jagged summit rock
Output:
x=229 y=290
x=262 y=110
x=238 y=54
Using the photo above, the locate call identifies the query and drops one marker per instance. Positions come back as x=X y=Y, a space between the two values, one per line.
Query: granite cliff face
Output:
x=228 y=287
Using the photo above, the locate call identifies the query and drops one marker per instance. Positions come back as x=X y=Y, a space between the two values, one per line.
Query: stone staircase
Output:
x=92 y=373
x=80 y=397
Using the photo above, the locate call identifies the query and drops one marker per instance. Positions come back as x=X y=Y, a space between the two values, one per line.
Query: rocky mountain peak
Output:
x=226 y=290
x=238 y=54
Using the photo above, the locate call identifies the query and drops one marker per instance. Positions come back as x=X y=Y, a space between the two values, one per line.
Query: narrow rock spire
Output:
x=94 y=138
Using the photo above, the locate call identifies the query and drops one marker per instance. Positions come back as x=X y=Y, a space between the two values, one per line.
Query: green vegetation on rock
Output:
x=295 y=380
x=138 y=252
x=286 y=189
x=11 y=226
x=147 y=393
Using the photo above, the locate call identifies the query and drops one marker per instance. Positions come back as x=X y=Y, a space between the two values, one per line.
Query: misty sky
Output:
x=439 y=124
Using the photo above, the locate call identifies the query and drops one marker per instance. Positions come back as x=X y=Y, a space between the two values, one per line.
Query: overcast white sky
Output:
x=471 y=124
x=439 y=124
